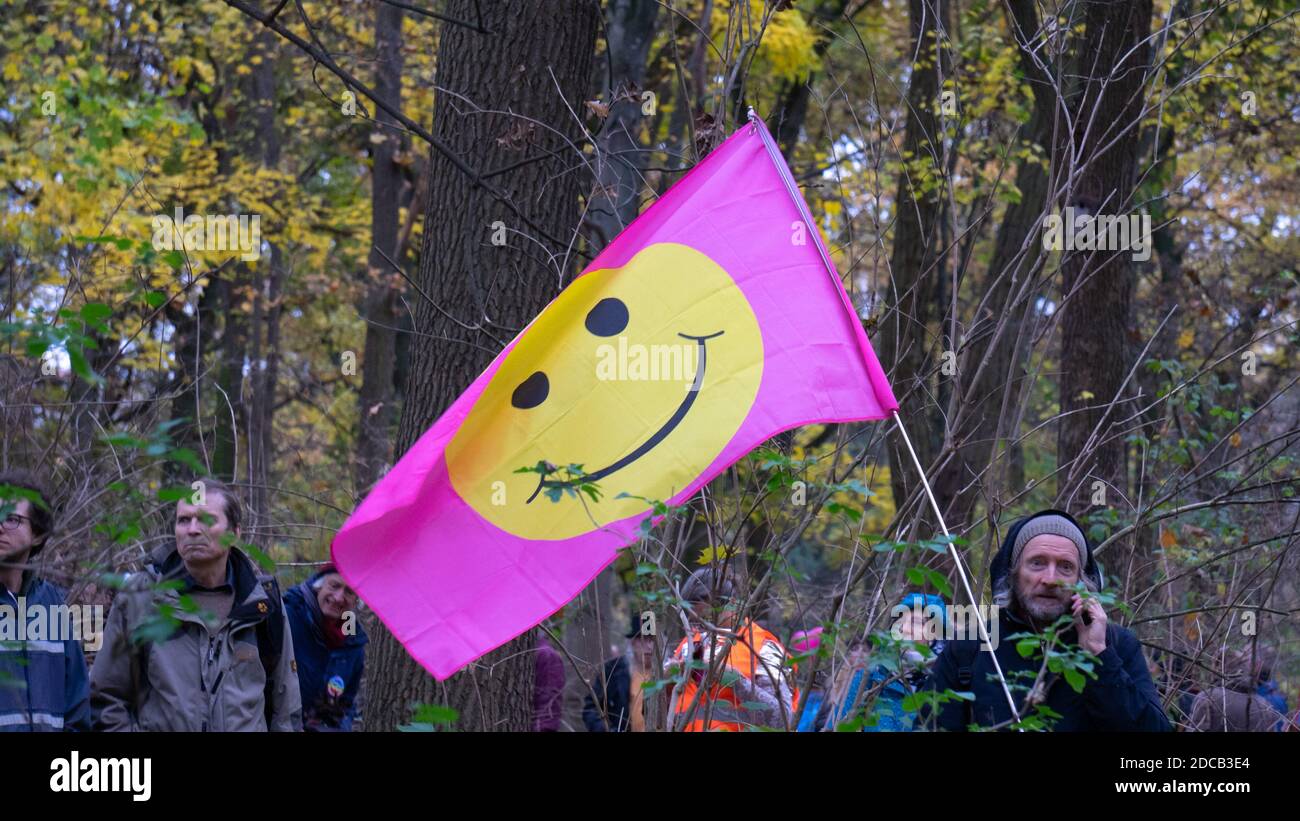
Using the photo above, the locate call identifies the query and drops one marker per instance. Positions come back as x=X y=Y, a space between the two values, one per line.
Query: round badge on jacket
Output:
x=334 y=687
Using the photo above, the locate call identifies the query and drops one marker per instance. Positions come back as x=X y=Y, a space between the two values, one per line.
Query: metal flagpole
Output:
x=961 y=570
x=793 y=190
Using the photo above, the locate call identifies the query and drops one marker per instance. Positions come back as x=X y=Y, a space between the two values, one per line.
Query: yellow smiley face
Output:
x=639 y=374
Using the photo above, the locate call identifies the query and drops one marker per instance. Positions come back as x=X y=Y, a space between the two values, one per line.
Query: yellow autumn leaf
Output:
x=1186 y=338
x=1235 y=440
x=1168 y=539
x=713 y=554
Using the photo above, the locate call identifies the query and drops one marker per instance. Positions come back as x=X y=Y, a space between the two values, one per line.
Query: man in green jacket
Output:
x=199 y=641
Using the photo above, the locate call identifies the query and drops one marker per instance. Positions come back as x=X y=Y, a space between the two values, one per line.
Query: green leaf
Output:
x=174 y=494
x=427 y=716
x=187 y=457
x=940 y=583
x=1075 y=679
x=121 y=440
x=267 y=563
x=81 y=367
x=94 y=313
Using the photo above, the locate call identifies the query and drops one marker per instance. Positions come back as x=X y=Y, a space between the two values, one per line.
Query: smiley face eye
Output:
x=609 y=317
x=531 y=392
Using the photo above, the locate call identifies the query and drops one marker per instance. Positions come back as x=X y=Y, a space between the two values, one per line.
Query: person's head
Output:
x=1049 y=556
x=709 y=592
x=643 y=650
x=914 y=622
x=203 y=530
x=641 y=638
x=26 y=517
x=332 y=593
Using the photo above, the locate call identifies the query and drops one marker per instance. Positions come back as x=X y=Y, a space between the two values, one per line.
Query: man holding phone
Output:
x=1045 y=570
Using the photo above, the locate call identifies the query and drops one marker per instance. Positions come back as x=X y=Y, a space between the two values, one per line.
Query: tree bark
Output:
x=377 y=407
x=630 y=29
x=536 y=64
x=990 y=377
x=1114 y=58
x=268 y=278
x=914 y=257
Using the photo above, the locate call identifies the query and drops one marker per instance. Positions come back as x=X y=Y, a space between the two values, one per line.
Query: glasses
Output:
x=13 y=521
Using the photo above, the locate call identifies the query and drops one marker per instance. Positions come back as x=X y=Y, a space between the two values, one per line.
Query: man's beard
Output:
x=1039 y=611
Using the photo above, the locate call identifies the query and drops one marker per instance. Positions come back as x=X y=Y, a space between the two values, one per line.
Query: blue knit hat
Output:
x=925 y=601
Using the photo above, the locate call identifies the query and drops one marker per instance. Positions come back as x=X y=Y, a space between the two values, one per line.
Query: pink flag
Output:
x=708 y=326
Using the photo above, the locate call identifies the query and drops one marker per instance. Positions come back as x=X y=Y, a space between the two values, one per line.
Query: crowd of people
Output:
x=201 y=639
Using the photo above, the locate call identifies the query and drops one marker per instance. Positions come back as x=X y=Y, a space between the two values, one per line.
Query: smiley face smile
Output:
x=658 y=435
x=582 y=383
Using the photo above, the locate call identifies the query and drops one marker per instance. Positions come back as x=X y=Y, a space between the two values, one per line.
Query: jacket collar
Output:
x=251 y=602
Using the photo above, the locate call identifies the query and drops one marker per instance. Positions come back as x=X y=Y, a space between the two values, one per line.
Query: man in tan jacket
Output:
x=199 y=641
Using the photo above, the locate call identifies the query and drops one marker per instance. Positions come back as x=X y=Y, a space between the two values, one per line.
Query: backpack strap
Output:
x=966 y=675
x=270 y=642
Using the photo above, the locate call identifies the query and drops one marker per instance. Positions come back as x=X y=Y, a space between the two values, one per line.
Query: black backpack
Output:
x=270 y=642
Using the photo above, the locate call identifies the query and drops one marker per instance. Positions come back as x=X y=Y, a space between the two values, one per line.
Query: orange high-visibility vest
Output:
x=723 y=706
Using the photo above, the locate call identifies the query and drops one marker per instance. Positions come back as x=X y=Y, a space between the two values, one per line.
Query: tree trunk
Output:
x=1098 y=285
x=787 y=118
x=536 y=63
x=376 y=405
x=268 y=277
x=229 y=411
x=913 y=263
x=989 y=378
x=630 y=28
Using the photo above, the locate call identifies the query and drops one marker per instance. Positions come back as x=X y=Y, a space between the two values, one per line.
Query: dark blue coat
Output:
x=329 y=680
x=43 y=684
x=609 y=710
x=1122 y=697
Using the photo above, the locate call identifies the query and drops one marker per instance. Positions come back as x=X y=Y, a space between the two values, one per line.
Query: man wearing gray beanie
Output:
x=1043 y=560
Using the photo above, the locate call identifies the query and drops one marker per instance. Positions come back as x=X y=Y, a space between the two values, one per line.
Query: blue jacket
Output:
x=43 y=684
x=329 y=680
x=1274 y=696
x=890 y=717
x=609 y=709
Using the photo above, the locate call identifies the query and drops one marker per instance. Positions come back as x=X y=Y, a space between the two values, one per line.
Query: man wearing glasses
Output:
x=43 y=681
